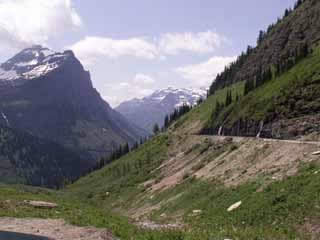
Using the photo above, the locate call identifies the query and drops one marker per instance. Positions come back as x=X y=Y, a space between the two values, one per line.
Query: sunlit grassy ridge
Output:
x=293 y=94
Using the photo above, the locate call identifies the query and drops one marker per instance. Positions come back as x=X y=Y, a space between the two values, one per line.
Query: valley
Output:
x=240 y=162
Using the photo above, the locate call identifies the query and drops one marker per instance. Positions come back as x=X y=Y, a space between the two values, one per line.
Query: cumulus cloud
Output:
x=27 y=22
x=143 y=79
x=138 y=87
x=201 y=42
x=123 y=92
x=203 y=74
x=90 y=49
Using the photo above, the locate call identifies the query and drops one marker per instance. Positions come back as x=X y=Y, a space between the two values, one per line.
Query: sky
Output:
x=133 y=48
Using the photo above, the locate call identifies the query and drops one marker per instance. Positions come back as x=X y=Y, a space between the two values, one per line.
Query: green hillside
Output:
x=192 y=184
x=134 y=186
x=288 y=203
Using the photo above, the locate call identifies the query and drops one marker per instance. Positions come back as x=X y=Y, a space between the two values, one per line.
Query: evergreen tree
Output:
x=260 y=37
x=228 y=98
x=126 y=149
x=156 y=129
x=166 y=122
x=286 y=13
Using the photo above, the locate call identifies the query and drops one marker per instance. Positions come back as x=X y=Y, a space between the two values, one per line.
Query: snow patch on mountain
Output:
x=8 y=75
x=40 y=70
x=177 y=96
x=152 y=109
x=29 y=64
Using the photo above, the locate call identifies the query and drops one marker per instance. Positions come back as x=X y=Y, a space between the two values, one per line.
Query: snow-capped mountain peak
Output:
x=152 y=109
x=30 y=63
x=178 y=96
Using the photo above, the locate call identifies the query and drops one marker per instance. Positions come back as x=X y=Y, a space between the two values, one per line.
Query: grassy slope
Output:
x=275 y=212
x=285 y=203
x=73 y=209
x=293 y=94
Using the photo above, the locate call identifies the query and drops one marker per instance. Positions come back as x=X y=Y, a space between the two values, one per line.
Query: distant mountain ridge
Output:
x=153 y=108
x=50 y=96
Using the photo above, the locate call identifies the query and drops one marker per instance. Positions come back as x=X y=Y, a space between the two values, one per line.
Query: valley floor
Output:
x=174 y=191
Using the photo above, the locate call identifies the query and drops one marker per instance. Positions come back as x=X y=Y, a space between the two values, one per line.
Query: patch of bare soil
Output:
x=254 y=158
x=53 y=229
x=313 y=228
x=241 y=160
x=156 y=226
x=229 y=160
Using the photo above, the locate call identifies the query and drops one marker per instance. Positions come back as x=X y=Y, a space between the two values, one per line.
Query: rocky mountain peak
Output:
x=152 y=109
x=31 y=63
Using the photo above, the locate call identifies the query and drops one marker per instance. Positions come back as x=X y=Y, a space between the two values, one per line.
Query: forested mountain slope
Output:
x=31 y=160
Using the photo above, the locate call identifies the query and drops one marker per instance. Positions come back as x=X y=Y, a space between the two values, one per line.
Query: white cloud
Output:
x=119 y=94
x=124 y=85
x=138 y=87
x=204 y=73
x=201 y=42
x=90 y=49
x=143 y=79
x=27 y=22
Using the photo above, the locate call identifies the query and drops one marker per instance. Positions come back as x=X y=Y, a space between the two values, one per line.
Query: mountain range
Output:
x=244 y=164
x=50 y=96
x=152 y=109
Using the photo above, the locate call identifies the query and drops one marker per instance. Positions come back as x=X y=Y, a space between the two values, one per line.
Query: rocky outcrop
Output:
x=279 y=129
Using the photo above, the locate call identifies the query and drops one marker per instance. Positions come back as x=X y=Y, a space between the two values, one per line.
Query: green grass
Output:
x=293 y=94
x=75 y=211
x=203 y=112
x=124 y=176
x=276 y=212
x=86 y=203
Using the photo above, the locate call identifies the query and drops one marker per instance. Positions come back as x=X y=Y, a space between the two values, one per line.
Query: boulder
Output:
x=41 y=204
x=234 y=206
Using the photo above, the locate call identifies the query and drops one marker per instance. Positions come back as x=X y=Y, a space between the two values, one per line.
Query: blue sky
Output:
x=131 y=47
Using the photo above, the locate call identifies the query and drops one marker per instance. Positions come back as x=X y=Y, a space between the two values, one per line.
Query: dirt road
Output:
x=53 y=229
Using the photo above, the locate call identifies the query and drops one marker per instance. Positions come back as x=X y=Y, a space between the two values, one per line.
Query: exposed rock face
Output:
x=280 y=129
x=51 y=96
x=152 y=109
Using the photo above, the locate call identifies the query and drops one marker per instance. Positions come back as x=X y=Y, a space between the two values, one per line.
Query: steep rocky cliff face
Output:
x=51 y=96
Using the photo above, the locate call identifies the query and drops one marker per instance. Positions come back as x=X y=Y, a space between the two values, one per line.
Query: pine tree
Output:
x=166 y=122
x=126 y=149
x=259 y=78
x=260 y=37
x=228 y=98
x=156 y=129
x=286 y=13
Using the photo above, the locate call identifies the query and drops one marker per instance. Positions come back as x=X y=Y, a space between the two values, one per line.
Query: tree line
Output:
x=227 y=77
